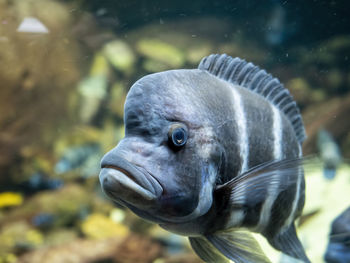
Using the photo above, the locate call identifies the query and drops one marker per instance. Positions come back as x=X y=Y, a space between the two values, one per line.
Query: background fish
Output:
x=338 y=250
x=329 y=152
x=212 y=153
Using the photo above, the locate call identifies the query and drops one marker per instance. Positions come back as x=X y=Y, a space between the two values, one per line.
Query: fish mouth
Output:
x=124 y=181
x=132 y=186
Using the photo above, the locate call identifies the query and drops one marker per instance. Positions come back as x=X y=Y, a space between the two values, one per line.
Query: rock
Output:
x=72 y=198
x=329 y=52
x=8 y=199
x=60 y=236
x=93 y=89
x=18 y=237
x=100 y=227
x=78 y=135
x=84 y=159
x=151 y=65
x=195 y=54
x=174 y=244
x=117 y=99
x=137 y=249
x=335 y=114
x=185 y=34
x=326 y=65
x=111 y=134
x=32 y=25
x=334 y=79
x=77 y=251
x=346 y=146
x=184 y=258
x=243 y=49
x=117 y=215
x=34 y=81
x=302 y=91
x=120 y=55
x=161 y=51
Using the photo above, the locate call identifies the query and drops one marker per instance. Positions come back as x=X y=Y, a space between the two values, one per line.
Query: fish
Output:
x=279 y=27
x=338 y=249
x=214 y=154
x=43 y=220
x=276 y=26
x=40 y=181
x=329 y=152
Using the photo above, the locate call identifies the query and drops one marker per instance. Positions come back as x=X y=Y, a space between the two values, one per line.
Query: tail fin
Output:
x=288 y=242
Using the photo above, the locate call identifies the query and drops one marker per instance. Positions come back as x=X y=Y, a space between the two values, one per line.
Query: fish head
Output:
x=166 y=166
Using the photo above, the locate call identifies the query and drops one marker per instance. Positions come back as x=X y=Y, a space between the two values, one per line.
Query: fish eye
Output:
x=177 y=135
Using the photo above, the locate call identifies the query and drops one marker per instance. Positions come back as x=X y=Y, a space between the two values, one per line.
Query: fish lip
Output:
x=131 y=176
x=125 y=172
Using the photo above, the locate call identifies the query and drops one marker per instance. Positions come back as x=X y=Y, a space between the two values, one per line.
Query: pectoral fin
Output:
x=239 y=246
x=279 y=175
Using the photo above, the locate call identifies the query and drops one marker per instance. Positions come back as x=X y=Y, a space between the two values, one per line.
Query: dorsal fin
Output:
x=244 y=74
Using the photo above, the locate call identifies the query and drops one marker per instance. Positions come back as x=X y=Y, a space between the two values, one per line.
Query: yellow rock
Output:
x=78 y=135
x=111 y=135
x=99 y=226
x=10 y=199
x=118 y=95
x=152 y=65
x=120 y=55
x=99 y=66
x=117 y=215
x=195 y=54
x=34 y=237
x=10 y=258
x=161 y=51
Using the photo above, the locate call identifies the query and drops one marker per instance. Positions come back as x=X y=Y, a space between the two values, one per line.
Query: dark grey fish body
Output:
x=238 y=166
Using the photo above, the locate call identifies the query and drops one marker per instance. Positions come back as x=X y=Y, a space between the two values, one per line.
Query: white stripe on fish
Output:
x=277 y=133
x=277 y=154
x=235 y=219
x=290 y=219
x=242 y=129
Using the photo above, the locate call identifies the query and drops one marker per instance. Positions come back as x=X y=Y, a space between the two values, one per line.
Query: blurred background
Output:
x=65 y=69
